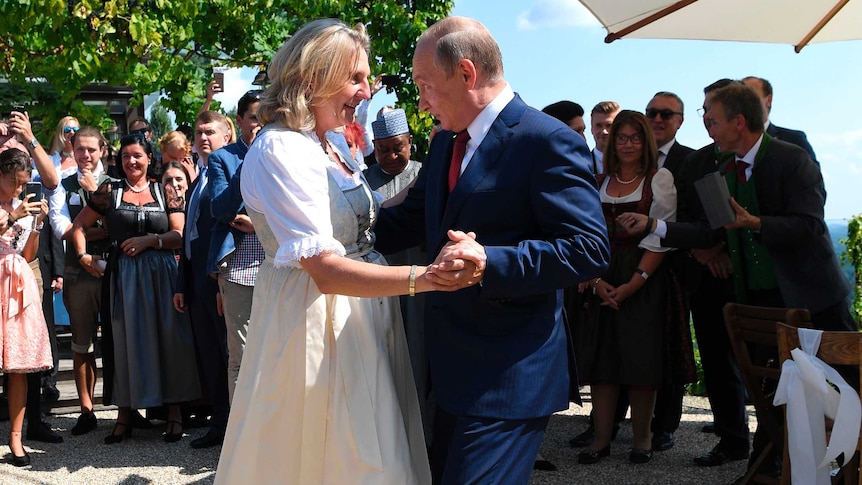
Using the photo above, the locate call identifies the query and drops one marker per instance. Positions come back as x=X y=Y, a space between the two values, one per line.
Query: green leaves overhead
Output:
x=172 y=45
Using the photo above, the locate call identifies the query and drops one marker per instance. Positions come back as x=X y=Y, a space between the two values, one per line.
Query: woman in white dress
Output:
x=325 y=392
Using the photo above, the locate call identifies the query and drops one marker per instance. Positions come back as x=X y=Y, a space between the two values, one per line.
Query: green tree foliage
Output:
x=172 y=45
x=159 y=120
x=853 y=255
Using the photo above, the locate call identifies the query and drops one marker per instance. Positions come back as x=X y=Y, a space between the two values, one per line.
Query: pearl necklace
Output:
x=137 y=191
x=626 y=182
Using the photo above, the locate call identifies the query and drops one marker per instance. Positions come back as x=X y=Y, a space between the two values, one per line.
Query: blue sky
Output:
x=554 y=50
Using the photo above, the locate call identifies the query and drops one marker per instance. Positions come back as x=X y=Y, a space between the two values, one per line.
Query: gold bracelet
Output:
x=412 y=287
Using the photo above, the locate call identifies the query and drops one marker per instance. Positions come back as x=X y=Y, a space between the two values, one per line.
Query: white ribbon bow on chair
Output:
x=803 y=387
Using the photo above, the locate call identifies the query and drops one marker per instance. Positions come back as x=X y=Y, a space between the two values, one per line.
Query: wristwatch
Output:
x=34 y=143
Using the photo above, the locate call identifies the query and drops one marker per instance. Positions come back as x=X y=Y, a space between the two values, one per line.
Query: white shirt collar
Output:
x=481 y=125
x=752 y=154
x=666 y=147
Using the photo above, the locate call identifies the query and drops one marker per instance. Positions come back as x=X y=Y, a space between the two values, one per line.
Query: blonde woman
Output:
x=175 y=147
x=61 y=146
x=325 y=393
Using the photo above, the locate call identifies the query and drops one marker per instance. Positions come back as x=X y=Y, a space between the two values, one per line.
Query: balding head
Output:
x=457 y=38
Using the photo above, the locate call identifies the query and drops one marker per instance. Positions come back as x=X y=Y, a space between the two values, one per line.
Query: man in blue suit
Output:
x=235 y=252
x=196 y=292
x=521 y=182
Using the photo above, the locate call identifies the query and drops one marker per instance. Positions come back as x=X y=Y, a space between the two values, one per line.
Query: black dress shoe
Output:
x=212 y=438
x=50 y=394
x=639 y=457
x=544 y=465
x=86 y=423
x=173 y=436
x=140 y=422
x=719 y=455
x=21 y=461
x=588 y=456
x=42 y=432
x=708 y=428
x=586 y=438
x=121 y=431
x=662 y=441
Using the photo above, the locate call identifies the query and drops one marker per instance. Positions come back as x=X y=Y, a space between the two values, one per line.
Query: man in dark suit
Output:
x=196 y=290
x=708 y=286
x=763 y=88
x=665 y=112
x=601 y=118
x=520 y=180
x=780 y=249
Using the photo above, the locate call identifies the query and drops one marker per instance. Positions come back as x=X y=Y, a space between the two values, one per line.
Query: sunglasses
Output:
x=665 y=114
x=141 y=131
x=70 y=129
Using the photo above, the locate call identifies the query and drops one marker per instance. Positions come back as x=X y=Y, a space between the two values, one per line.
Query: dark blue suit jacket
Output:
x=226 y=200
x=498 y=349
x=193 y=278
x=794 y=137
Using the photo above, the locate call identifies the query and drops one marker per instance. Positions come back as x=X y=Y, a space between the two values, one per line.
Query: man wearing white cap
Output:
x=395 y=171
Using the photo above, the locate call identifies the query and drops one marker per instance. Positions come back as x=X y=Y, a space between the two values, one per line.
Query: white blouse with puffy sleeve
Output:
x=284 y=177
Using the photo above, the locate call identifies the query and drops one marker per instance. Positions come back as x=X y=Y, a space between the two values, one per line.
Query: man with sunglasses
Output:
x=665 y=115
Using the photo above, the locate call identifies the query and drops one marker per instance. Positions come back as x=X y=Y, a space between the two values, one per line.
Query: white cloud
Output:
x=556 y=13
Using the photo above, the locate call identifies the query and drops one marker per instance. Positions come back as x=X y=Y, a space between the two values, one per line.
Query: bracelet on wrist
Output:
x=412 y=285
x=160 y=241
x=596 y=284
x=643 y=274
x=81 y=256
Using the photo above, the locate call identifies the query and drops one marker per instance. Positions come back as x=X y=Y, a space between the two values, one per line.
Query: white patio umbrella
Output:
x=795 y=22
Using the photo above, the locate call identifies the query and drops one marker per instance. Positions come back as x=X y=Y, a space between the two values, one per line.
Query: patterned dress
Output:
x=24 y=344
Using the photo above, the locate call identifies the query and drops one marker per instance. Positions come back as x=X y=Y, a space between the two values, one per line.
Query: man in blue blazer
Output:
x=196 y=291
x=498 y=350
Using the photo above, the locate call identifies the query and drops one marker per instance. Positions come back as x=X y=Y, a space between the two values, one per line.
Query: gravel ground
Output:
x=146 y=459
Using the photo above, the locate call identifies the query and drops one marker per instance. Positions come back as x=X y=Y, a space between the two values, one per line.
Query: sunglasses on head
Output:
x=70 y=129
x=665 y=114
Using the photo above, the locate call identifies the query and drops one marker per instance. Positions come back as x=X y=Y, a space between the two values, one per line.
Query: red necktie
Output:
x=741 y=166
x=457 y=157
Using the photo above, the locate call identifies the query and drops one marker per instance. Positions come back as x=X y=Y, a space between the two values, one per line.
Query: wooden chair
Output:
x=836 y=348
x=753 y=335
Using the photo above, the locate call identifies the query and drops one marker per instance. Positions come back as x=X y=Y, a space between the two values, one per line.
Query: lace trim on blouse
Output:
x=291 y=252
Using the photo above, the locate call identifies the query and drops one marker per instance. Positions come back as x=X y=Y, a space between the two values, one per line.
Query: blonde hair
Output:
x=175 y=138
x=231 y=129
x=308 y=70
x=58 y=142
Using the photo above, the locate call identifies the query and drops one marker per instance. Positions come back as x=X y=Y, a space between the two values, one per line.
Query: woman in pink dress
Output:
x=24 y=345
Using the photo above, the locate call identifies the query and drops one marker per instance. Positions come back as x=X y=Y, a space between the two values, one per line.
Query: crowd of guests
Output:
x=241 y=268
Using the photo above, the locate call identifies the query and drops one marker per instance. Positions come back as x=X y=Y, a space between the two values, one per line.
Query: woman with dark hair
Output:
x=153 y=354
x=24 y=344
x=621 y=341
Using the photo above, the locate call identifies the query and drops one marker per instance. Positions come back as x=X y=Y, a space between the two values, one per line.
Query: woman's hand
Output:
x=135 y=245
x=605 y=290
x=618 y=295
x=27 y=208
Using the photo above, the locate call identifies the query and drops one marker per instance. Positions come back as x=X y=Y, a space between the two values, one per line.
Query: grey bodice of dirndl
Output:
x=353 y=213
x=353 y=217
